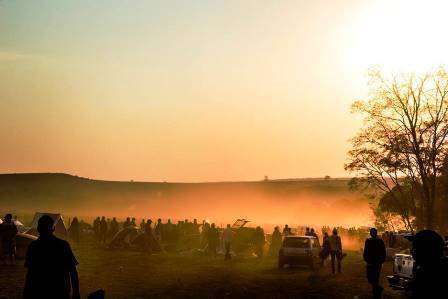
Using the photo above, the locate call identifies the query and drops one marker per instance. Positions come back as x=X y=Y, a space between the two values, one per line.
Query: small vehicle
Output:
x=403 y=270
x=299 y=250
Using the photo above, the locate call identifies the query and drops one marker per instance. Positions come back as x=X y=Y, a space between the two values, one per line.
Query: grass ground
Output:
x=131 y=274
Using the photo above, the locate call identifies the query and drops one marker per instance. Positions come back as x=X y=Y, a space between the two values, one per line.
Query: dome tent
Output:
x=59 y=226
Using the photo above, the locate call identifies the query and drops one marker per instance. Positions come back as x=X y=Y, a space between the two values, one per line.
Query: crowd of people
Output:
x=50 y=259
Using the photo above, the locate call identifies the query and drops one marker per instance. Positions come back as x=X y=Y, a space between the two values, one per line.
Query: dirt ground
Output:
x=131 y=274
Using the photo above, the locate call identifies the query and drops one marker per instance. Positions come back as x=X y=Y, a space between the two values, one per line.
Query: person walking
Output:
x=227 y=237
x=335 y=250
x=374 y=256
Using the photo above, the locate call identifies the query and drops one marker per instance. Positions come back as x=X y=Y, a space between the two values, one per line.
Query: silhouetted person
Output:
x=276 y=242
x=212 y=240
x=113 y=227
x=195 y=229
x=51 y=266
x=374 y=256
x=147 y=227
x=204 y=234
x=73 y=231
x=96 y=227
x=168 y=231
x=431 y=266
x=259 y=241
x=158 y=230
x=227 y=236
x=326 y=248
x=286 y=230
x=8 y=232
x=103 y=230
x=127 y=223
x=133 y=222
x=142 y=225
x=335 y=250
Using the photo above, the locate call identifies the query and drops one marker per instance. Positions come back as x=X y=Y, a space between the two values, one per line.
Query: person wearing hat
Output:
x=431 y=271
x=374 y=255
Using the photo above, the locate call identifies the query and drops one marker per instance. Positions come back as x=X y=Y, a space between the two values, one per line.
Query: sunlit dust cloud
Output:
x=224 y=203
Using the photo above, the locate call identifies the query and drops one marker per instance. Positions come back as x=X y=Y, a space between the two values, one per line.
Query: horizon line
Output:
x=179 y=182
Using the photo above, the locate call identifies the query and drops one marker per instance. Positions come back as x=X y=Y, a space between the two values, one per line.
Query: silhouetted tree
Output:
x=401 y=147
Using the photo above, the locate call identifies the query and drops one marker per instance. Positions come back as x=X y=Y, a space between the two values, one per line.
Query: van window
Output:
x=297 y=242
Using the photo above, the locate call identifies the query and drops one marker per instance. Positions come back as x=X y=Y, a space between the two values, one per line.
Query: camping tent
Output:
x=131 y=237
x=22 y=243
x=59 y=225
x=124 y=237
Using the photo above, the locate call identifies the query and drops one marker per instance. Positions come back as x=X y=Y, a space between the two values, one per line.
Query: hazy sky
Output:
x=197 y=90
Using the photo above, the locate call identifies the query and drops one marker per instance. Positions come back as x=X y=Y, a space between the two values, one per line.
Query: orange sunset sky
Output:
x=198 y=90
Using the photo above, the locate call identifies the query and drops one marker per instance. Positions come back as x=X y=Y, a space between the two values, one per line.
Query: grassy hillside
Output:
x=75 y=195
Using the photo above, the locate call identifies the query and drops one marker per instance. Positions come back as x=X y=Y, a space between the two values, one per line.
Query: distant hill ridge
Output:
x=64 y=192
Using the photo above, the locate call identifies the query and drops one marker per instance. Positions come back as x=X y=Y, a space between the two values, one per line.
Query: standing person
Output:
x=73 y=231
x=51 y=266
x=158 y=230
x=103 y=230
x=204 y=234
x=133 y=224
x=325 y=252
x=127 y=223
x=142 y=225
x=147 y=227
x=276 y=242
x=374 y=256
x=113 y=227
x=195 y=227
x=8 y=232
x=259 y=241
x=286 y=231
x=335 y=250
x=212 y=240
x=96 y=227
x=227 y=236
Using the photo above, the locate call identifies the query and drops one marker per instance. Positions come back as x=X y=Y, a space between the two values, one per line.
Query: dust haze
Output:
x=214 y=205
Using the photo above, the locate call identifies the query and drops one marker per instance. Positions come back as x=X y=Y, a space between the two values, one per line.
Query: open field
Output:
x=132 y=274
